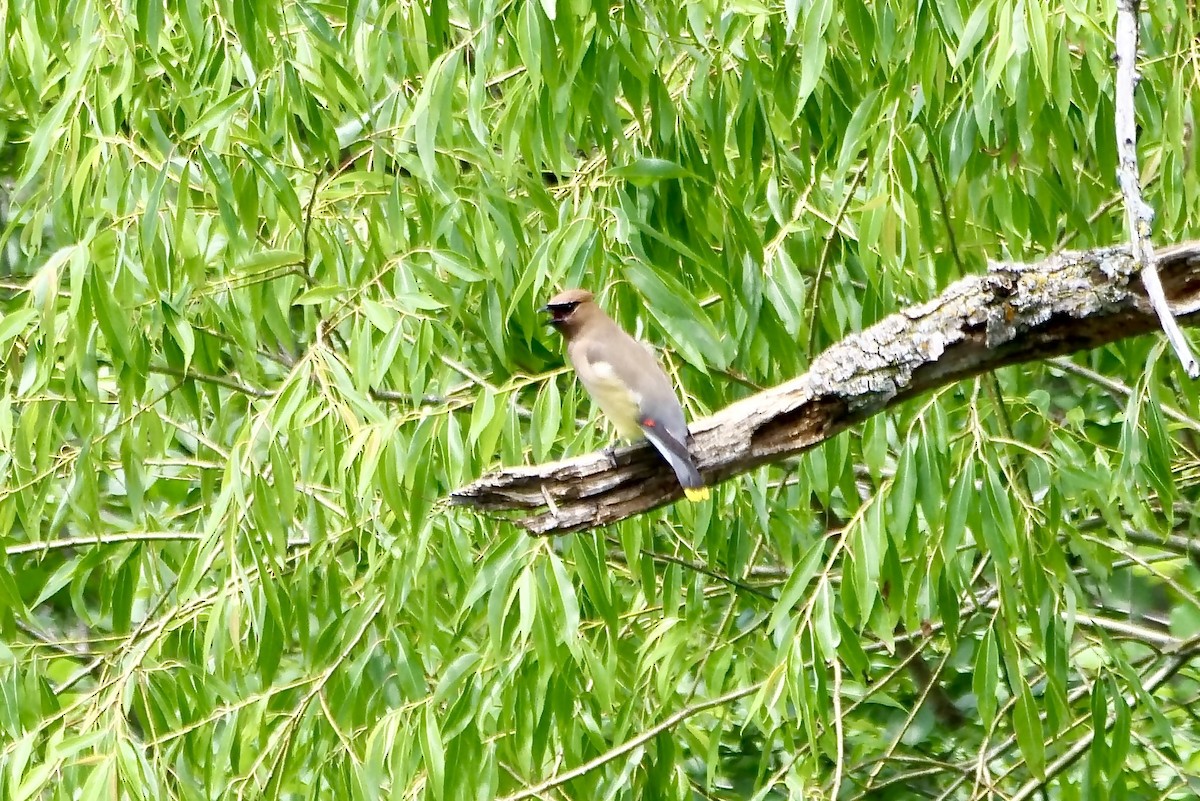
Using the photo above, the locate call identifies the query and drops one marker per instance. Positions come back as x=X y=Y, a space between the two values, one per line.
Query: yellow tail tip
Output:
x=697 y=494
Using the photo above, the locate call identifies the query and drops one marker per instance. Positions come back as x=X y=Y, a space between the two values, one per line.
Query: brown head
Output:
x=570 y=310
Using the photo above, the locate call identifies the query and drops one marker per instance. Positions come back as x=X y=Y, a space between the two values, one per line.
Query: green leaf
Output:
x=1158 y=462
x=791 y=10
x=223 y=191
x=284 y=193
x=646 y=171
x=793 y=589
x=1038 y=28
x=975 y=28
x=823 y=620
x=680 y=316
x=869 y=544
x=813 y=48
x=569 y=601
x=986 y=673
x=435 y=754
x=1028 y=728
x=219 y=113
x=482 y=412
x=999 y=525
x=13 y=324
x=181 y=332
x=453 y=676
x=856 y=138
x=903 y=495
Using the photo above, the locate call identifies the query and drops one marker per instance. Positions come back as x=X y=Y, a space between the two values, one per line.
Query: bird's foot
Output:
x=611 y=453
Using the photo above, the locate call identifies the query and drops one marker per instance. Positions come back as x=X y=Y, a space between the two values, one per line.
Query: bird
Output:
x=625 y=380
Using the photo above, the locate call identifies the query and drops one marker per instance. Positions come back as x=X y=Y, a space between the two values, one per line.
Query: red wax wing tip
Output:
x=649 y=422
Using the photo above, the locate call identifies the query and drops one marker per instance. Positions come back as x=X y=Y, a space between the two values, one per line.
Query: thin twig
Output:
x=1173 y=543
x=219 y=380
x=694 y=565
x=635 y=742
x=838 y=733
x=814 y=308
x=1160 y=641
x=1081 y=746
x=1116 y=388
x=118 y=538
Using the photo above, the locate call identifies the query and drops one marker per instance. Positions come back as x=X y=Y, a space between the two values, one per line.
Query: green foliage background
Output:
x=268 y=278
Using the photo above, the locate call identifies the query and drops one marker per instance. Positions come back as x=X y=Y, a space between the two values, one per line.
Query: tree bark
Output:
x=1013 y=313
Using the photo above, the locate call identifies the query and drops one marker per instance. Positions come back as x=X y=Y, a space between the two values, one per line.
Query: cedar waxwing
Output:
x=624 y=380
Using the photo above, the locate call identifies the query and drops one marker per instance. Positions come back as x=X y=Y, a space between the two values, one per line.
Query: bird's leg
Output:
x=611 y=453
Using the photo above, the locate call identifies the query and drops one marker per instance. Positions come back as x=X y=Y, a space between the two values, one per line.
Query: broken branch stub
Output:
x=1014 y=313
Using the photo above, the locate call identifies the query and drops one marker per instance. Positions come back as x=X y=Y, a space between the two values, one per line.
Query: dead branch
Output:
x=1014 y=313
x=1138 y=214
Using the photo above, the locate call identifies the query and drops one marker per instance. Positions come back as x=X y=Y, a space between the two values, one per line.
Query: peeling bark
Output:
x=1014 y=313
x=1138 y=214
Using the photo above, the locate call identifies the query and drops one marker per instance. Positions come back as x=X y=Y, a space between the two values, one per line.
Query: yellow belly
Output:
x=615 y=400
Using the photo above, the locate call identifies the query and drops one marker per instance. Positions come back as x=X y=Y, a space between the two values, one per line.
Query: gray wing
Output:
x=658 y=399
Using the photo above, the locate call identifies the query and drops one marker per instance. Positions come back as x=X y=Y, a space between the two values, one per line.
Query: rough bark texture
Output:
x=1014 y=313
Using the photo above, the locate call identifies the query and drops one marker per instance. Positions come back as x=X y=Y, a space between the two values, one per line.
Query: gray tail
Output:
x=676 y=454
